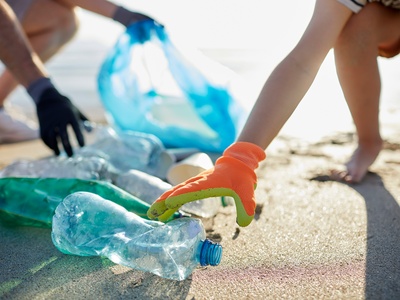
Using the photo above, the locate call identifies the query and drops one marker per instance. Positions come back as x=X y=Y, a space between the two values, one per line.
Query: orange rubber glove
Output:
x=233 y=175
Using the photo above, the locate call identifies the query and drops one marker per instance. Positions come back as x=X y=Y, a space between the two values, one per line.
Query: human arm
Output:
x=15 y=50
x=292 y=78
x=279 y=97
x=55 y=111
x=108 y=9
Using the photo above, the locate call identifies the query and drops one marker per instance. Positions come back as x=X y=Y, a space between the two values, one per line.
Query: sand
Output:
x=311 y=239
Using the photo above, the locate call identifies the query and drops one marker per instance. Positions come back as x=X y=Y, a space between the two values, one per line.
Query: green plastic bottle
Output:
x=32 y=201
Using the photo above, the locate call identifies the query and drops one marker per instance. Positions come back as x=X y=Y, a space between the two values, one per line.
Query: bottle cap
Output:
x=210 y=253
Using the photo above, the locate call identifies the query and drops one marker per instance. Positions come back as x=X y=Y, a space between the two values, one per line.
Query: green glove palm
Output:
x=233 y=175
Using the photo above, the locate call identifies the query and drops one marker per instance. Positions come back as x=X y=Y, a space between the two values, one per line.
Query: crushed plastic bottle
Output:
x=148 y=188
x=138 y=183
x=126 y=150
x=86 y=224
x=109 y=152
x=142 y=185
x=32 y=201
x=91 y=168
x=205 y=208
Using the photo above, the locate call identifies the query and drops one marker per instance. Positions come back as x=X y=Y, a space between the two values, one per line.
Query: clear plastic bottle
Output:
x=126 y=150
x=32 y=201
x=205 y=208
x=93 y=168
x=142 y=185
x=148 y=188
x=145 y=186
x=110 y=151
x=86 y=224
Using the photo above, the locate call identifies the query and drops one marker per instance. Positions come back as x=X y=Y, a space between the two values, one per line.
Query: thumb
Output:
x=82 y=117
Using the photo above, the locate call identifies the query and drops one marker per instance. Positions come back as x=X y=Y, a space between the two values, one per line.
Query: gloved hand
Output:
x=127 y=17
x=233 y=175
x=55 y=112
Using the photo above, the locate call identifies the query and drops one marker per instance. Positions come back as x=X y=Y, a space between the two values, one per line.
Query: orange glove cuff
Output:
x=248 y=153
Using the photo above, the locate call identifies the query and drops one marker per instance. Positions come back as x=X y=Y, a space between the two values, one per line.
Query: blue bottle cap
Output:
x=210 y=253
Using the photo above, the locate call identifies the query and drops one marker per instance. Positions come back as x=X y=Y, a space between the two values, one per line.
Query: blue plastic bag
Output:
x=146 y=84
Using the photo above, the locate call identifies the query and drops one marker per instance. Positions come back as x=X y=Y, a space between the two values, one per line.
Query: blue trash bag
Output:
x=146 y=84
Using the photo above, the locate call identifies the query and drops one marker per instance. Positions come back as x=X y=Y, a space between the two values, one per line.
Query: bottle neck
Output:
x=210 y=253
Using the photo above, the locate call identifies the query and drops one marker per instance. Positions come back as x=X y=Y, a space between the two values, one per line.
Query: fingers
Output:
x=245 y=210
x=82 y=117
x=50 y=139
x=159 y=206
x=244 y=220
x=184 y=196
x=65 y=142
x=167 y=215
x=157 y=209
x=78 y=133
x=165 y=206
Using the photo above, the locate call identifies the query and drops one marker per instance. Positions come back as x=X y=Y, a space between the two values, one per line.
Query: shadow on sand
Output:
x=31 y=268
x=383 y=239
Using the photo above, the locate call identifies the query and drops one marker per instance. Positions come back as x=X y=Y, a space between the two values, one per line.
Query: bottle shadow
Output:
x=31 y=267
x=383 y=239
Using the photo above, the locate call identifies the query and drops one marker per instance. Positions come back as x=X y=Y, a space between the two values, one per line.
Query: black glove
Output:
x=55 y=112
x=127 y=17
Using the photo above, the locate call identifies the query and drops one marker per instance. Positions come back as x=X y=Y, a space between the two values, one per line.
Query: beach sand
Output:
x=312 y=238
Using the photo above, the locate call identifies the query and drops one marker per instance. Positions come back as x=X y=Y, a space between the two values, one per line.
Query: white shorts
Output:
x=357 y=5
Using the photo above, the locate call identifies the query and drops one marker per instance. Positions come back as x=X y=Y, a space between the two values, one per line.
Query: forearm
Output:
x=292 y=78
x=278 y=99
x=101 y=7
x=108 y=9
x=15 y=51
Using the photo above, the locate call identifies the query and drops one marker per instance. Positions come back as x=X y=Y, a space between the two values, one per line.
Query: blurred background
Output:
x=249 y=37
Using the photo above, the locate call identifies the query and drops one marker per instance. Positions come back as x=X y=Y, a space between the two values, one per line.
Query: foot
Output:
x=13 y=130
x=360 y=161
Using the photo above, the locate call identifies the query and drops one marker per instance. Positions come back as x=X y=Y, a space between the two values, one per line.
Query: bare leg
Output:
x=48 y=26
x=356 y=55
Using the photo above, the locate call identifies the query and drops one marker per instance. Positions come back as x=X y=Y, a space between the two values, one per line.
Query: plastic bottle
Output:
x=94 y=168
x=138 y=183
x=86 y=224
x=111 y=151
x=32 y=201
x=126 y=150
x=205 y=208
x=142 y=185
x=148 y=188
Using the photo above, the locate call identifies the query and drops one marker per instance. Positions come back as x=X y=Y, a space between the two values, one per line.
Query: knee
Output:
x=67 y=24
x=354 y=37
x=360 y=32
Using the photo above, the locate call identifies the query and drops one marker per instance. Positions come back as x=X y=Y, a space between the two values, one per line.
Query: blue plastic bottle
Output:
x=88 y=225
